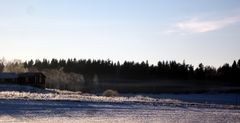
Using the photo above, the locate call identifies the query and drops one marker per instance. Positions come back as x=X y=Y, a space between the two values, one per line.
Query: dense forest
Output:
x=140 y=71
x=130 y=77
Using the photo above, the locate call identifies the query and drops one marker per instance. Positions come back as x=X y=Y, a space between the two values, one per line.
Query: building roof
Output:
x=8 y=75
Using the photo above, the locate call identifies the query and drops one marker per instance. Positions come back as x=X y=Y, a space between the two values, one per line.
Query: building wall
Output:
x=33 y=79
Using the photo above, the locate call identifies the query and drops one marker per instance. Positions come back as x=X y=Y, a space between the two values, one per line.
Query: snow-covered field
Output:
x=27 y=104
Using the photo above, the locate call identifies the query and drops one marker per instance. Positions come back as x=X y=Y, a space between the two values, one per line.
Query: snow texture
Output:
x=28 y=104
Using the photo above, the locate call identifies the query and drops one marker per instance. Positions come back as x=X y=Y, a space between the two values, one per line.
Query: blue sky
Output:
x=197 y=31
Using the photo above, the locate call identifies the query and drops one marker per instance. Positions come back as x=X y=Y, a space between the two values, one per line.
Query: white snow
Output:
x=27 y=104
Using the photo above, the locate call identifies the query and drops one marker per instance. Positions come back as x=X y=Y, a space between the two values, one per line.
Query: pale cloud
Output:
x=196 y=25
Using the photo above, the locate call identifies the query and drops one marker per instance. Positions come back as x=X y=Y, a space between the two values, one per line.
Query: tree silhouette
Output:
x=140 y=71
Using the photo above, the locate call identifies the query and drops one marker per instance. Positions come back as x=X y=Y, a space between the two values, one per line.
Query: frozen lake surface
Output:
x=64 y=106
x=15 y=110
x=210 y=98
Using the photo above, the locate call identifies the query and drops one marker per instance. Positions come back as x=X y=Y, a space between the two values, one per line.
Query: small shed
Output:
x=32 y=78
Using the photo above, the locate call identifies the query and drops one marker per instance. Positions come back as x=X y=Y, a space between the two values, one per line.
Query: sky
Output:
x=194 y=31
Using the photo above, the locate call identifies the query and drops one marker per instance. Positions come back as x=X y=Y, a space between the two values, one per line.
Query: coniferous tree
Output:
x=139 y=71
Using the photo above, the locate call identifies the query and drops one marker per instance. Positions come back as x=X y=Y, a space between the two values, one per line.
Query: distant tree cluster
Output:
x=140 y=71
x=12 y=66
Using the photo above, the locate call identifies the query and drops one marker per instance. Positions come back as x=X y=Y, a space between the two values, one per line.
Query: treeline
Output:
x=140 y=71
